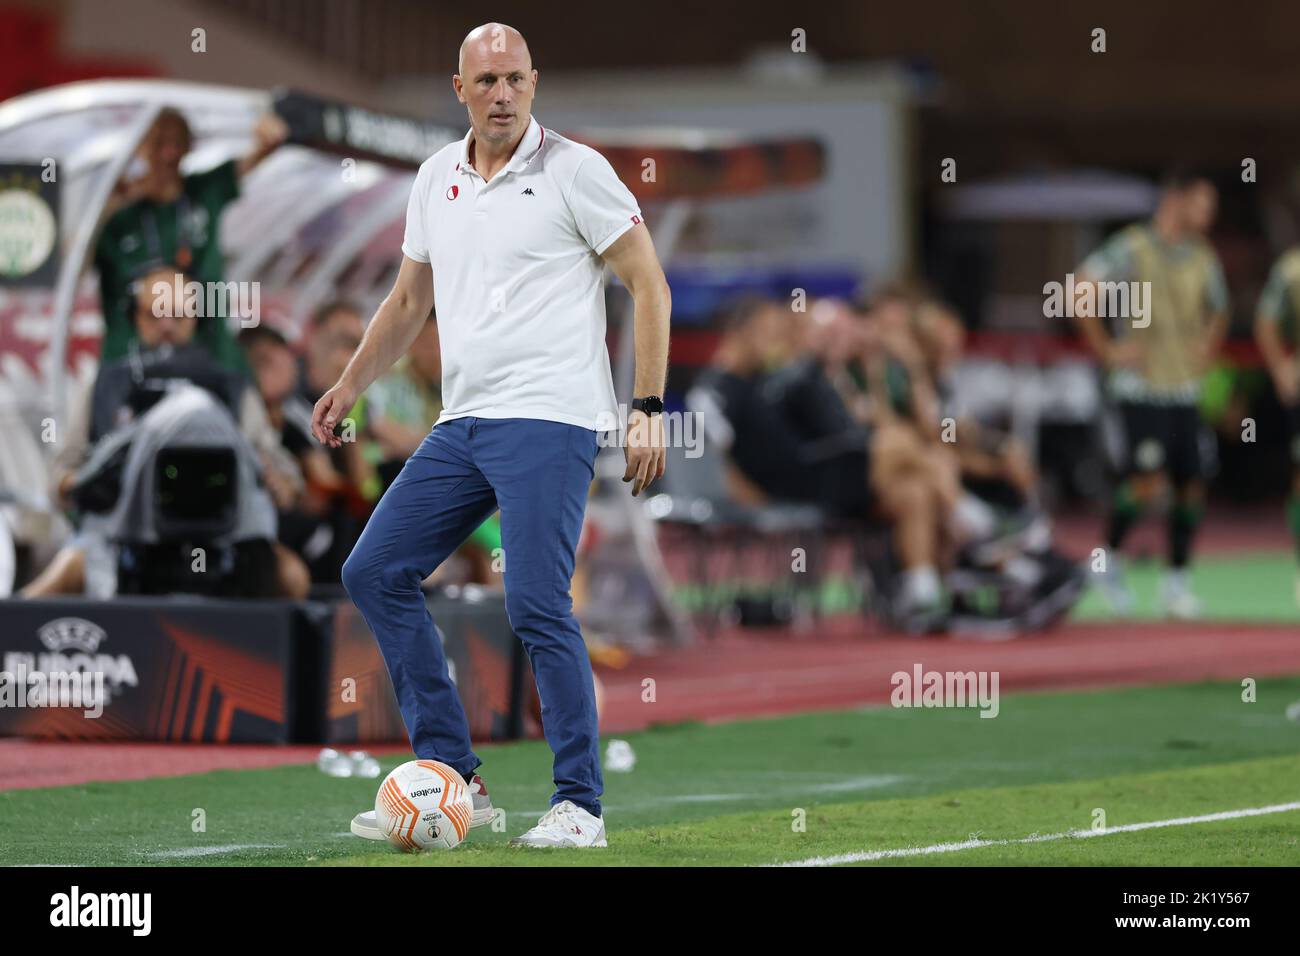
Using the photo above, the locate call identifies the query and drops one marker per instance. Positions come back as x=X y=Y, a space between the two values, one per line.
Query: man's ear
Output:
x=456 y=87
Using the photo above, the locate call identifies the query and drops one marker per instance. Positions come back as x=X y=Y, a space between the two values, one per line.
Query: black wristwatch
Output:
x=651 y=405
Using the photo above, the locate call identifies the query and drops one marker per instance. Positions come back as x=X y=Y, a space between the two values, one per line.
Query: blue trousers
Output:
x=538 y=473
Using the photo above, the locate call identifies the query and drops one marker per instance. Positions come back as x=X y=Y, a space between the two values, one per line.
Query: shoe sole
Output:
x=602 y=842
x=366 y=832
x=480 y=818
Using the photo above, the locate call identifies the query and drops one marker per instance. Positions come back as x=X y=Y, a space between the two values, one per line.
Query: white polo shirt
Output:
x=517 y=277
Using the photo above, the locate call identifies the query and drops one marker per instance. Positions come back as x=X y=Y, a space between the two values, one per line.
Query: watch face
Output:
x=652 y=405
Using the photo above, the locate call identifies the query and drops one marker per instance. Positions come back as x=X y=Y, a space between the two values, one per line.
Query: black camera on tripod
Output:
x=196 y=510
x=180 y=497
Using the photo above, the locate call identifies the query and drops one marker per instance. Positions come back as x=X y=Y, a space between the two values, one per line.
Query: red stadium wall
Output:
x=30 y=58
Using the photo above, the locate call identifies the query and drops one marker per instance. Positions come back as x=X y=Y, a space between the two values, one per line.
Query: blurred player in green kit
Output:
x=1276 y=318
x=1156 y=356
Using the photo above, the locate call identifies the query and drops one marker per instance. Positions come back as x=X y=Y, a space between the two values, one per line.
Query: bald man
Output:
x=507 y=233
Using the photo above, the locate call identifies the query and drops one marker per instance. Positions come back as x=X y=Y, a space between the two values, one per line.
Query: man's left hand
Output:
x=644 y=450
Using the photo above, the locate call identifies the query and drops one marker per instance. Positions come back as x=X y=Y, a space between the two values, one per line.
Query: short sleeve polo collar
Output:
x=529 y=146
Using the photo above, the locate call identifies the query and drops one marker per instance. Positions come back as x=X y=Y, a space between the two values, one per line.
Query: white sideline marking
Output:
x=848 y=785
x=214 y=850
x=857 y=783
x=866 y=856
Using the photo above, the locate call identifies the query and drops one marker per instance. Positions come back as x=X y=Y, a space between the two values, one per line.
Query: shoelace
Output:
x=560 y=813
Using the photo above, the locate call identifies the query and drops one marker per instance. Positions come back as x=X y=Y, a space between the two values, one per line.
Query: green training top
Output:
x=1187 y=287
x=183 y=233
x=1279 y=302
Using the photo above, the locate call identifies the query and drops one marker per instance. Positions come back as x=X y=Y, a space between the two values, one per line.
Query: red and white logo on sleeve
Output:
x=453 y=192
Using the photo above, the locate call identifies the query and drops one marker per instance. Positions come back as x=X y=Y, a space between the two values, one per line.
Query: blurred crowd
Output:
x=160 y=235
x=849 y=407
x=842 y=405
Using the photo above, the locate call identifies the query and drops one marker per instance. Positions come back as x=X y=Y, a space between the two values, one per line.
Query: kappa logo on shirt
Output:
x=528 y=192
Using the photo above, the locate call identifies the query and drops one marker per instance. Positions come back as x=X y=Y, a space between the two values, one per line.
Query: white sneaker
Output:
x=1179 y=601
x=565 y=824
x=1114 y=586
x=366 y=826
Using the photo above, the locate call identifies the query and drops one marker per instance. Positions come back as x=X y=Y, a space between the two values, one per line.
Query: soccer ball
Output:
x=424 y=805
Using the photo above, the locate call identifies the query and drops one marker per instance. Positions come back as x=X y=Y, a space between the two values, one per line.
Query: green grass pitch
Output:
x=857 y=782
x=1257 y=587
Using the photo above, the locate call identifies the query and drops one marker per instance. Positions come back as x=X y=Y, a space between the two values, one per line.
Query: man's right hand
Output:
x=329 y=412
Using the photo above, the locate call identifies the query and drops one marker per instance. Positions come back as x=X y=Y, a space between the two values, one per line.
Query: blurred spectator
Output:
x=920 y=342
x=892 y=364
x=162 y=350
x=166 y=217
x=333 y=335
x=275 y=373
x=339 y=501
x=405 y=402
x=315 y=522
x=789 y=437
x=996 y=465
x=729 y=393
